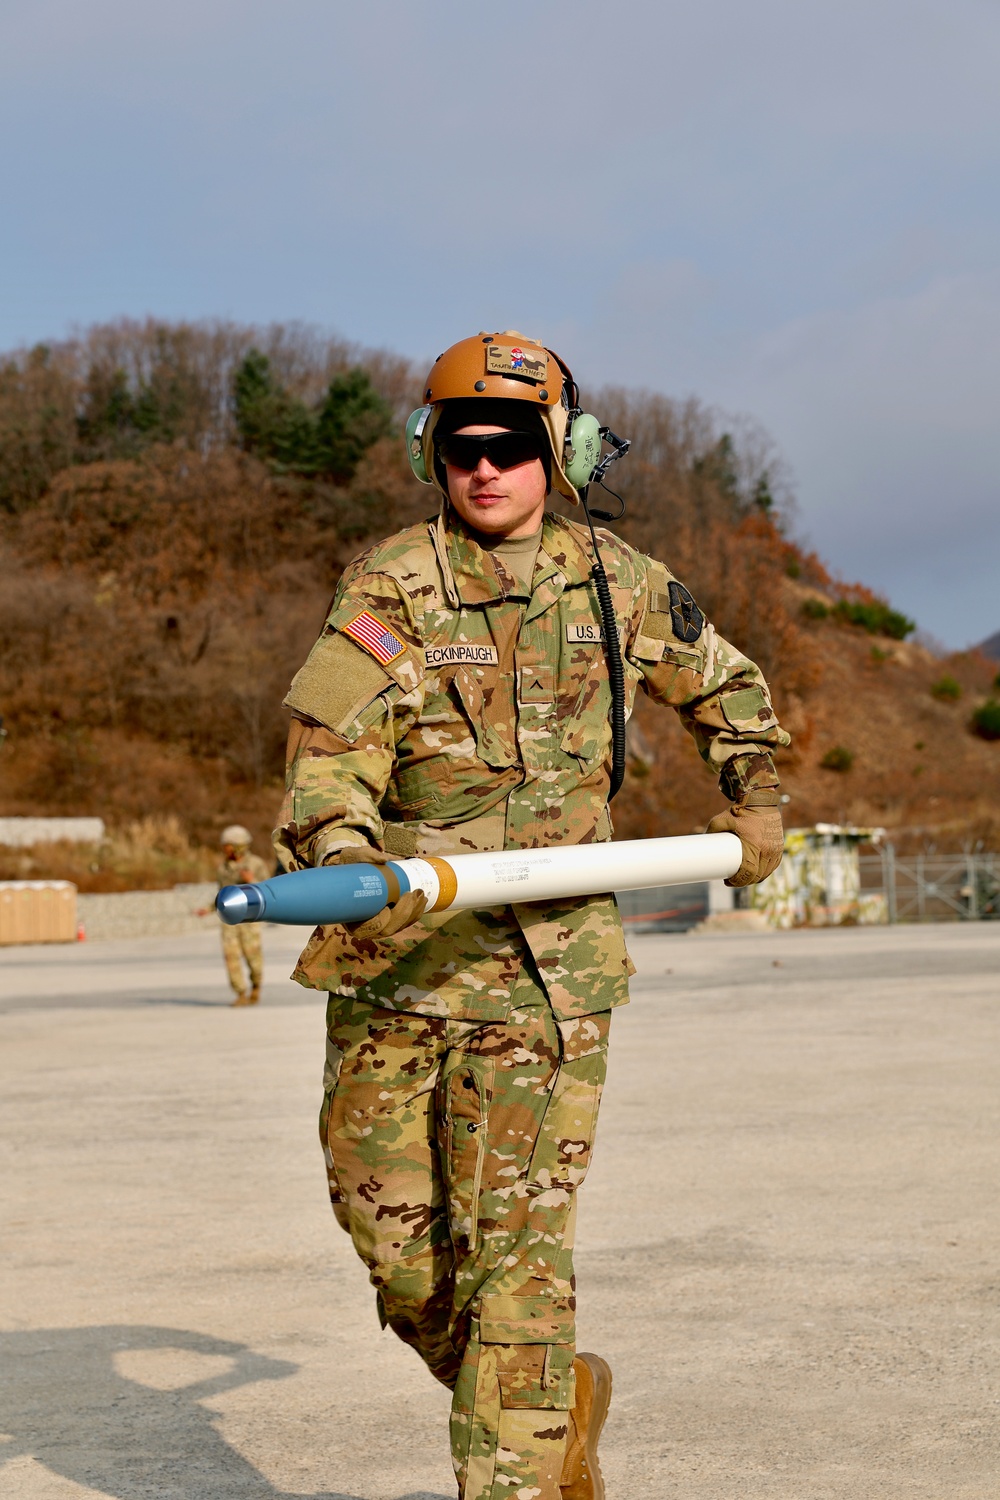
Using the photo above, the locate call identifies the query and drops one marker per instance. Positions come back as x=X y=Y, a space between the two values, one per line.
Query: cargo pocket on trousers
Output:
x=464 y=1093
x=533 y=1341
x=565 y=1141
x=331 y=1077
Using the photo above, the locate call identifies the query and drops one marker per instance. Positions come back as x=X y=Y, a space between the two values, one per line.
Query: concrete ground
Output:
x=790 y=1239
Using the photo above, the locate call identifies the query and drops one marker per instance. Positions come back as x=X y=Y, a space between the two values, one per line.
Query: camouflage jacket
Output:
x=444 y=709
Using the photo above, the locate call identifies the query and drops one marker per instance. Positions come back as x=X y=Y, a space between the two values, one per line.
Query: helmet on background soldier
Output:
x=235 y=836
x=505 y=380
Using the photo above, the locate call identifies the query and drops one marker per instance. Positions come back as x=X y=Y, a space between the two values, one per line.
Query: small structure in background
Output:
x=825 y=880
x=24 y=833
x=664 y=908
x=707 y=905
x=38 y=911
x=818 y=883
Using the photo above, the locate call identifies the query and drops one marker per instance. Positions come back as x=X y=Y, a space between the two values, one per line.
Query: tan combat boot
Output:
x=581 y=1473
x=249 y=997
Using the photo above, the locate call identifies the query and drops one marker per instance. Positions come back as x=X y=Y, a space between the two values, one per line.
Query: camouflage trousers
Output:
x=453 y=1151
x=239 y=944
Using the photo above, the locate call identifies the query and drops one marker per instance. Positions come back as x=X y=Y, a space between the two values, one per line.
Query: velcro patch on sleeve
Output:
x=462 y=652
x=747 y=709
x=337 y=682
x=375 y=636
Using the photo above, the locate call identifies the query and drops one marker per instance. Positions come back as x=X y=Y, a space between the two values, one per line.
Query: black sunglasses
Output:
x=505 y=450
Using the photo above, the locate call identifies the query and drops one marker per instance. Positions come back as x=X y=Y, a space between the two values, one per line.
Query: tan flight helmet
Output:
x=509 y=367
x=236 y=835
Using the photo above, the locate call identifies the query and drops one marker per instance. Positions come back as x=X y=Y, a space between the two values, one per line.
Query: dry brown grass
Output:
x=154 y=605
x=150 y=854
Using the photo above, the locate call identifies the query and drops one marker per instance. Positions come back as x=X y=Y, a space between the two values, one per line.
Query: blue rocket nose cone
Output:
x=238 y=903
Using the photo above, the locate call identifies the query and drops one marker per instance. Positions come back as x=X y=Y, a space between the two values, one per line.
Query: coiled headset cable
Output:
x=612 y=640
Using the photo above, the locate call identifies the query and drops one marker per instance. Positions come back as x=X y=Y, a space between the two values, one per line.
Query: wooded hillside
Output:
x=177 y=502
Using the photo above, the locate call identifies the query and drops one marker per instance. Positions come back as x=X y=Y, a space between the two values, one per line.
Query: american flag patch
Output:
x=377 y=638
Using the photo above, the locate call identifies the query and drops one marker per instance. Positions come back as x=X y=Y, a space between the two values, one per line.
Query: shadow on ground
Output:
x=118 y=1409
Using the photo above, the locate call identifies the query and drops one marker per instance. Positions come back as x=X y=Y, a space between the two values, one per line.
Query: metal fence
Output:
x=934 y=887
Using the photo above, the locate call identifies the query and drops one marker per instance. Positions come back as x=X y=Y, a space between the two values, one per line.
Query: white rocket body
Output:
x=559 y=872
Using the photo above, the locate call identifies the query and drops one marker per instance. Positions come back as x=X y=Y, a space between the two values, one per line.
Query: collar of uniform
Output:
x=560 y=557
x=563 y=552
x=472 y=567
x=562 y=563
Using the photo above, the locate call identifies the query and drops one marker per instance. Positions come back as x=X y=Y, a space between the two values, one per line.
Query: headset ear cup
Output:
x=416 y=423
x=583 y=449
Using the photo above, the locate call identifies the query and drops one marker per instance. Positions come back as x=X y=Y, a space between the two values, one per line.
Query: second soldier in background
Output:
x=457 y=699
x=240 y=867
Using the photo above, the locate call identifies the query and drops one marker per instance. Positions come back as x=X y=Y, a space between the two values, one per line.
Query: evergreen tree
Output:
x=353 y=417
x=328 y=442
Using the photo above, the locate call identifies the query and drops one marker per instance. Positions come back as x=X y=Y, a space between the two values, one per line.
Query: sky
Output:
x=790 y=210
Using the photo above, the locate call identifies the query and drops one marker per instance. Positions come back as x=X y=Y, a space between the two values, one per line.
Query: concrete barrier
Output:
x=132 y=914
x=24 y=833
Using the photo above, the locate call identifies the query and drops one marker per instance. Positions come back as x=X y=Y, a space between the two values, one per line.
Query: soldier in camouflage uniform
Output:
x=241 y=944
x=458 y=699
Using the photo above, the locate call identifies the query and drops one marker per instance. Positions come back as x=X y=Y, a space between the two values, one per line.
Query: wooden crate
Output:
x=37 y=911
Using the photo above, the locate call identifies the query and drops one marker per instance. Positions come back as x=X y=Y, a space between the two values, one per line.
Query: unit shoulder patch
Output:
x=672 y=614
x=374 y=636
x=461 y=652
x=686 y=618
x=529 y=362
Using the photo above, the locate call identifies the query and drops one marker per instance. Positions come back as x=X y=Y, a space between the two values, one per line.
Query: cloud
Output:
x=787 y=209
x=888 y=415
x=885 y=411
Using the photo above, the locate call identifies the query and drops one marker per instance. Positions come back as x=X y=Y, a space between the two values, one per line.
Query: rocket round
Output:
x=352 y=893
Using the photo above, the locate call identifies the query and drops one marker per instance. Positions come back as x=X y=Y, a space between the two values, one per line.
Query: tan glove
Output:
x=759 y=830
x=391 y=919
